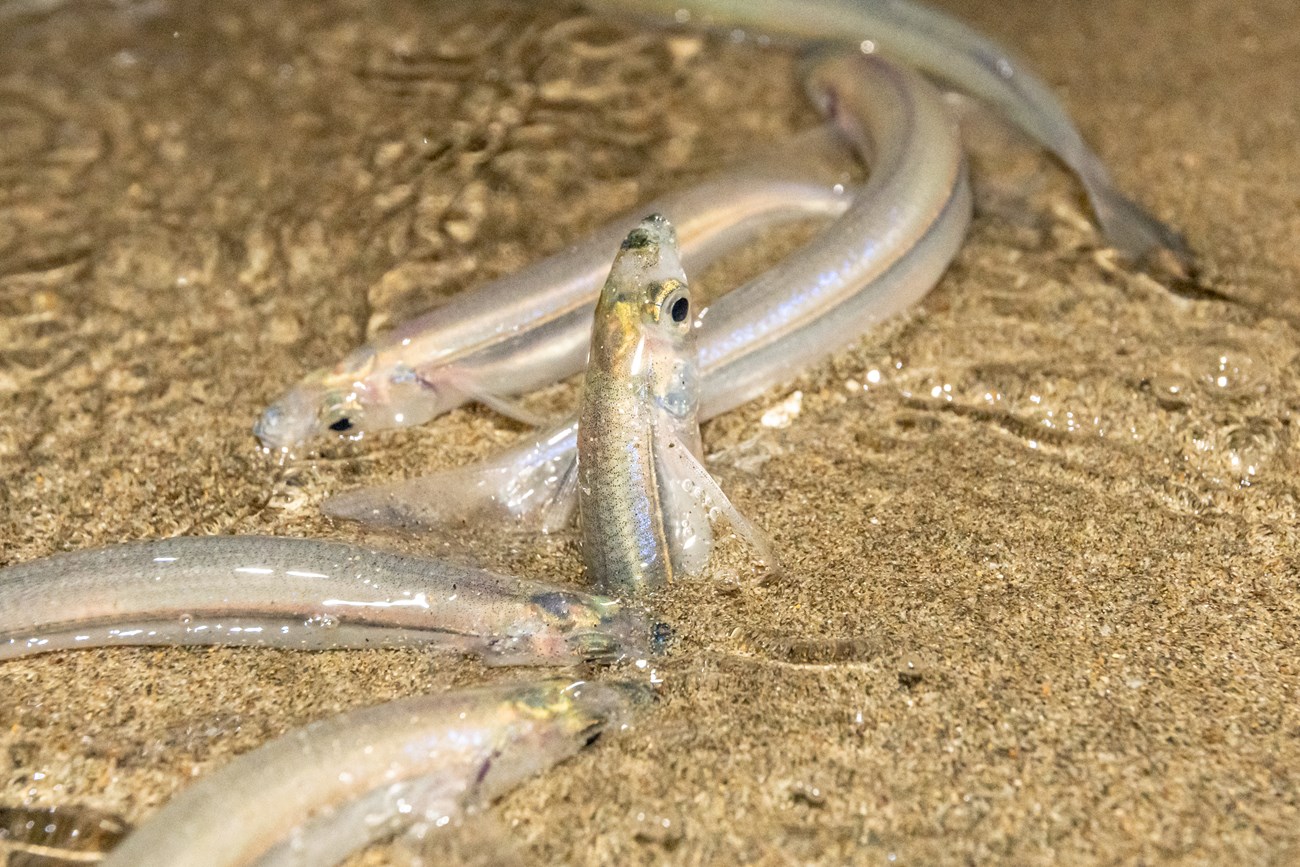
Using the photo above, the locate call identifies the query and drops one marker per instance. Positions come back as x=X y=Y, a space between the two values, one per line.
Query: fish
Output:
x=958 y=55
x=320 y=792
x=881 y=256
x=643 y=494
x=310 y=594
x=530 y=329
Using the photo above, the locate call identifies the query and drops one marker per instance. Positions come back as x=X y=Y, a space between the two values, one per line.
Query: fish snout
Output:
x=288 y=422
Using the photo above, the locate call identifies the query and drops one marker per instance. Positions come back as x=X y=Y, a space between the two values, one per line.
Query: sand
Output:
x=1041 y=601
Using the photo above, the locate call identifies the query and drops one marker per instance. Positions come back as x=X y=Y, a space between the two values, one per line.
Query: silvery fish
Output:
x=644 y=497
x=308 y=594
x=530 y=329
x=958 y=55
x=880 y=257
x=323 y=791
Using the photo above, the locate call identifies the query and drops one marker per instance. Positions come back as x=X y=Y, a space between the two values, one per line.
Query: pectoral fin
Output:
x=462 y=383
x=685 y=466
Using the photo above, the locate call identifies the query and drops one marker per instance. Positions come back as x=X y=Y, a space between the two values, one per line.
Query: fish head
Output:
x=362 y=393
x=583 y=628
x=644 y=329
x=549 y=720
x=580 y=711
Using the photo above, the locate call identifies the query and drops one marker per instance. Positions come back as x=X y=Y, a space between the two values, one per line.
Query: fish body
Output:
x=320 y=792
x=531 y=329
x=957 y=54
x=640 y=523
x=884 y=253
x=305 y=594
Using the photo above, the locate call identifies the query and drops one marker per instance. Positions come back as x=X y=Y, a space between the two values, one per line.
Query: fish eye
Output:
x=557 y=604
x=342 y=425
x=671 y=302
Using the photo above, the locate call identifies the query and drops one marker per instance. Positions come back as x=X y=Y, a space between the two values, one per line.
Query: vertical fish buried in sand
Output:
x=315 y=795
x=643 y=495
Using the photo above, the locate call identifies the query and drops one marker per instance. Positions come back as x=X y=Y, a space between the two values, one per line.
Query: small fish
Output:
x=315 y=795
x=530 y=329
x=643 y=495
x=309 y=594
x=880 y=257
x=959 y=55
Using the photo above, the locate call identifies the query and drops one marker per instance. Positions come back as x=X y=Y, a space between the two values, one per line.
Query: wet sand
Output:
x=1042 y=594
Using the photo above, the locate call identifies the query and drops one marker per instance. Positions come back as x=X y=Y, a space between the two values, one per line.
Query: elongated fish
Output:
x=305 y=594
x=531 y=329
x=958 y=55
x=881 y=256
x=315 y=795
x=643 y=495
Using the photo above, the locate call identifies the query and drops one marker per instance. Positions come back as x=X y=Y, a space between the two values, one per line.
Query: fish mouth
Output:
x=290 y=421
x=599 y=647
x=625 y=635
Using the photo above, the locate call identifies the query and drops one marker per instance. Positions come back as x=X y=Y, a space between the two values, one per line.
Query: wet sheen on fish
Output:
x=960 y=56
x=530 y=329
x=643 y=495
x=306 y=594
x=881 y=256
x=321 y=792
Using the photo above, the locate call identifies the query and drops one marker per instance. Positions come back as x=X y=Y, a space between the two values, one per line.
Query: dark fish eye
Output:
x=680 y=310
x=556 y=604
x=343 y=424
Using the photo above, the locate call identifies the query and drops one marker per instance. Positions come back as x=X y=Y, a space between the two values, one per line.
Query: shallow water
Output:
x=1041 y=536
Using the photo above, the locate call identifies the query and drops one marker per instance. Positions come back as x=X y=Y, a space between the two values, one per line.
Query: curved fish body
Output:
x=531 y=329
x=881 y=256
x=301 y=594
x=957 y=54
x=315 y=795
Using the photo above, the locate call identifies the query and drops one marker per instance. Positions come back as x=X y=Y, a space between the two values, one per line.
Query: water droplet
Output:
x=323 y=621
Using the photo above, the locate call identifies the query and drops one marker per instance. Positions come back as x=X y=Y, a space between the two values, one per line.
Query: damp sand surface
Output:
x=1042 y=587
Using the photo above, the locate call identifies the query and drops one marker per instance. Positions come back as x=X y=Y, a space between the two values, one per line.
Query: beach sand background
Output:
x=1042 y=588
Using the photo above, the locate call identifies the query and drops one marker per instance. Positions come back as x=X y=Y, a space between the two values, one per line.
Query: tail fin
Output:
x=530 y=488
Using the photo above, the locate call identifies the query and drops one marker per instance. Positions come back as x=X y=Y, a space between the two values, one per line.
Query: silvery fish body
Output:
x=529 y=329
x=952 y=51
x=643 y=496
x=310 y=594
x=320 y=792
x=640 y=401
x=881 y=256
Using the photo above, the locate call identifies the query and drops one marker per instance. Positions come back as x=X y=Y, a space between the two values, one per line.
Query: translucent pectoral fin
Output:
x=686 y=467
x=529 y=488
x=463 y=384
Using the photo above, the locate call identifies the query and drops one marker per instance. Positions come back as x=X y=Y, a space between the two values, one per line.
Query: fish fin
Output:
x=1136 y=233
x=558 y=512
x=511 y=409
x=688 y=467
x=462 y=383
x=531 y=487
